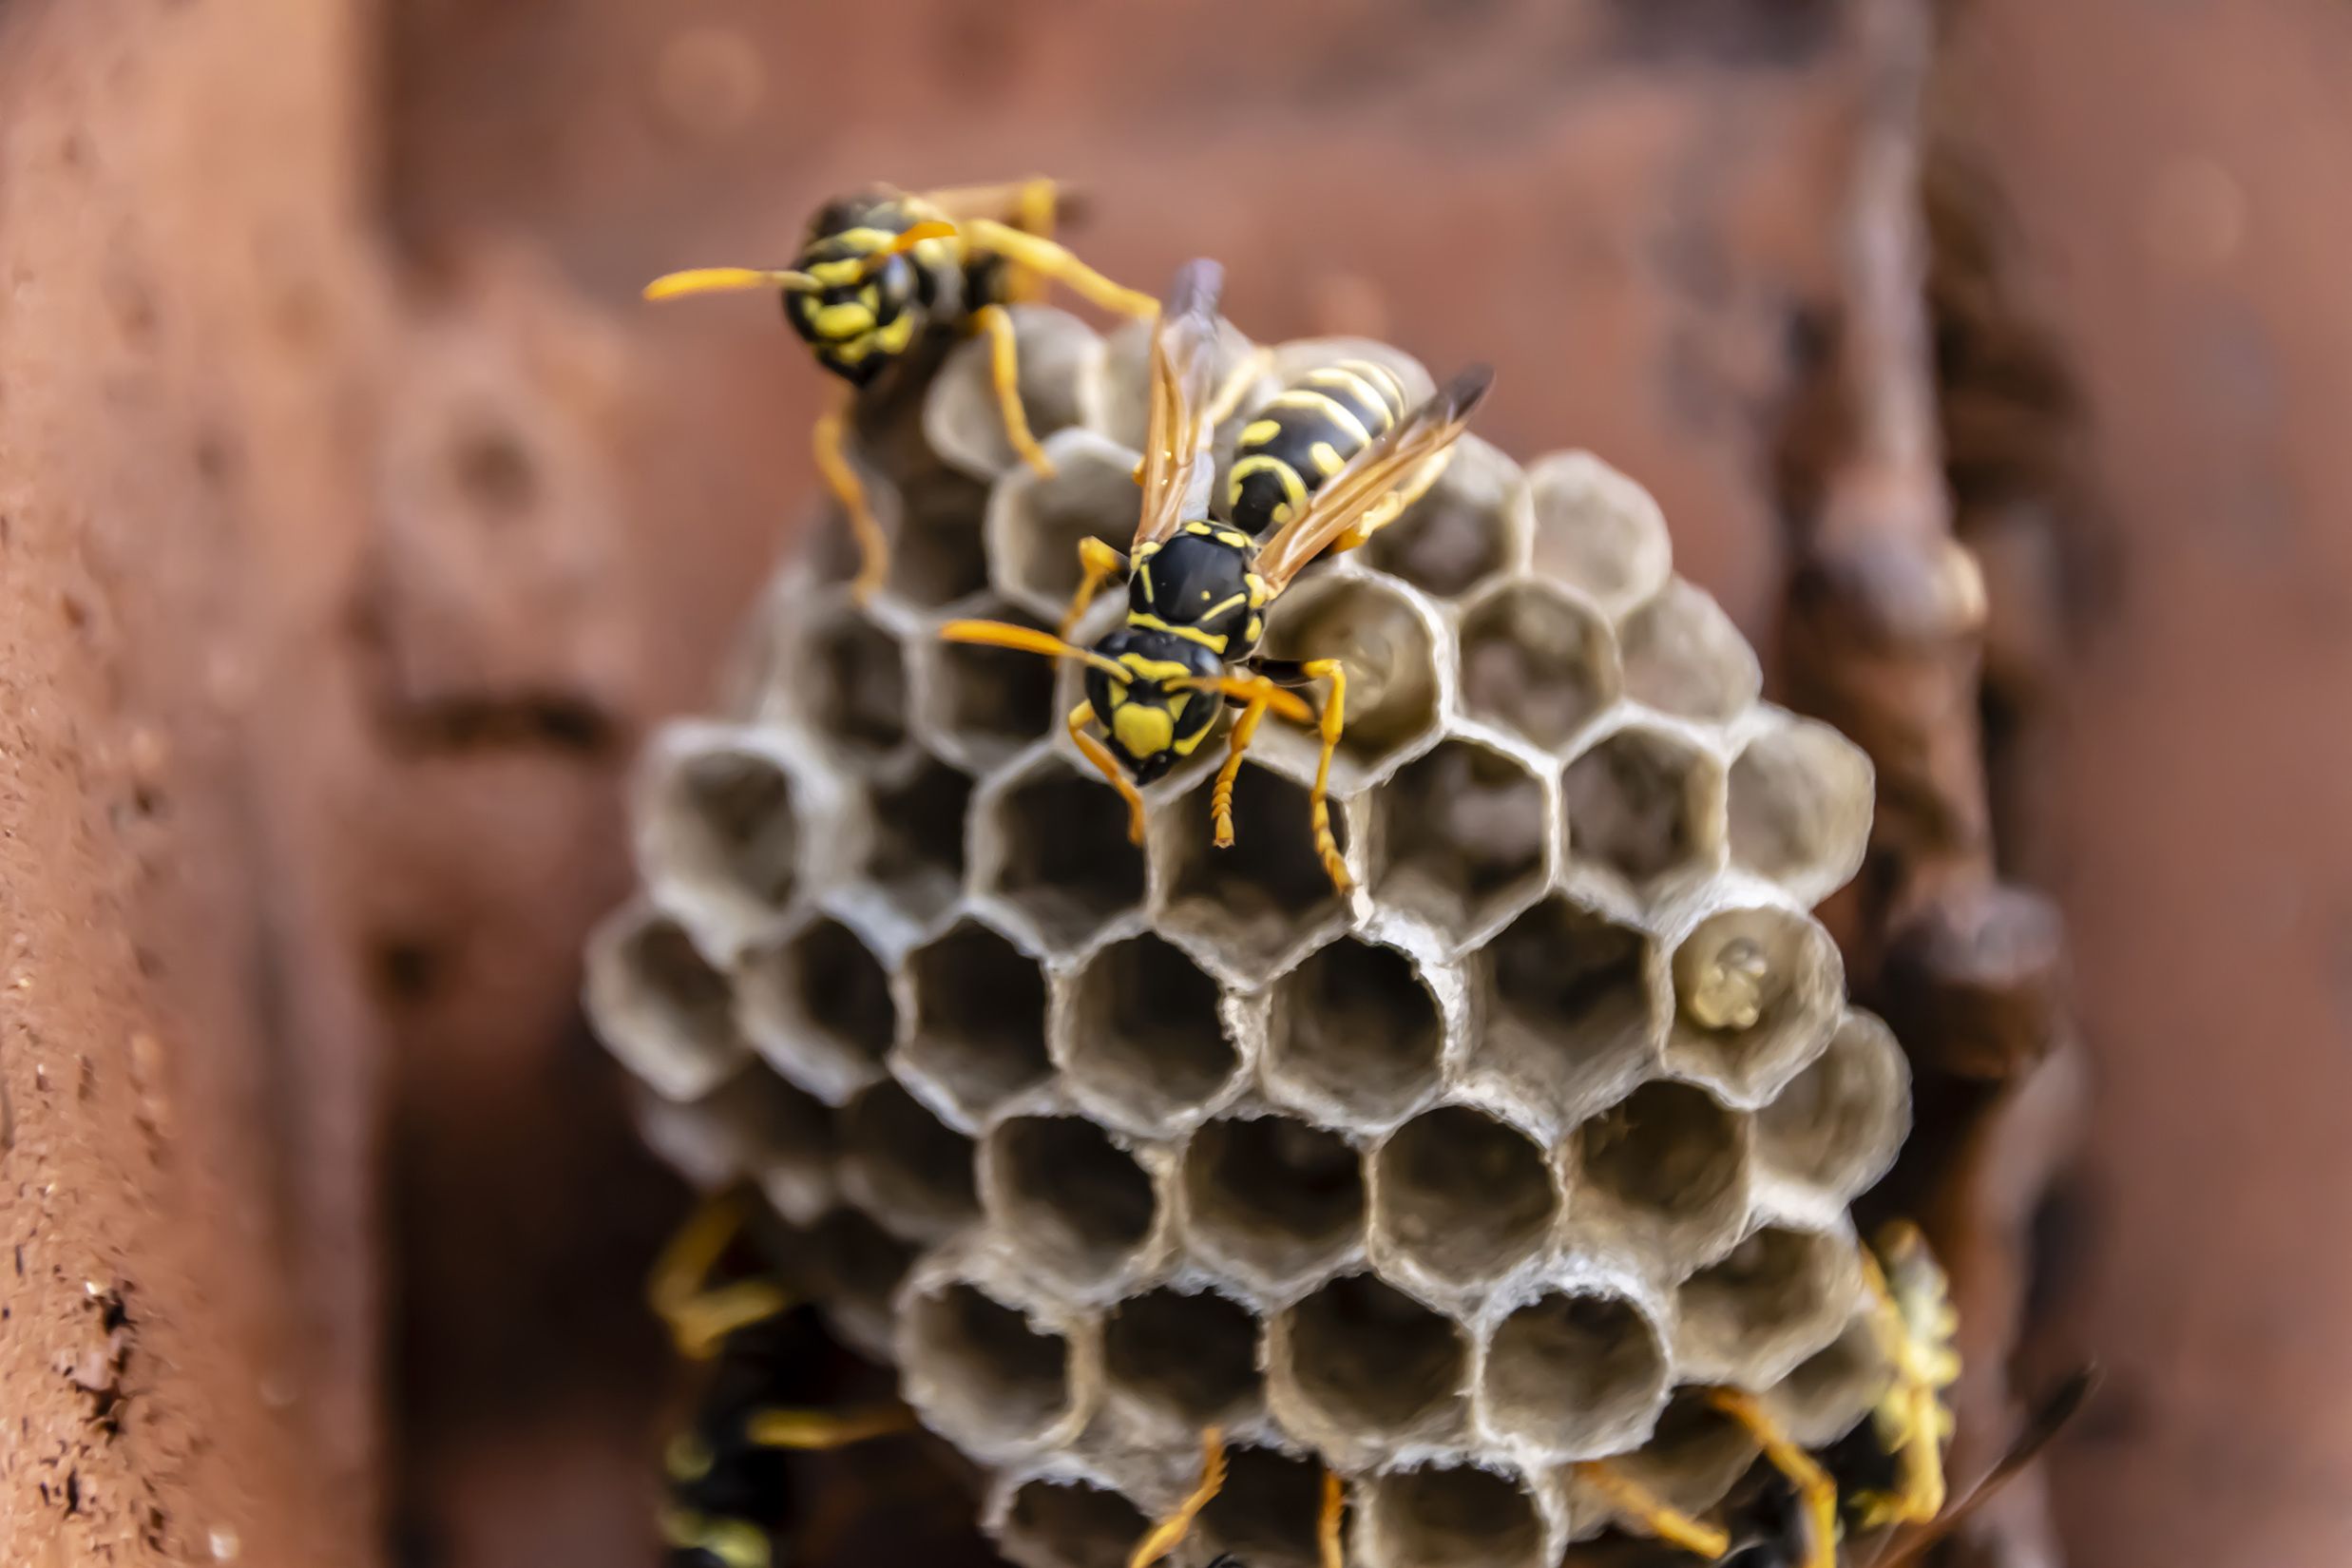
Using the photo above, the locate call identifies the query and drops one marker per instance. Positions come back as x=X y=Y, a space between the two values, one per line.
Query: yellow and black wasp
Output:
x=727 y=1477
x=885 y=272
x=1199 y=589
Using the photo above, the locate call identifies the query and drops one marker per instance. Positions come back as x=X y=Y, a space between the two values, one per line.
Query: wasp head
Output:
x=1160 y=715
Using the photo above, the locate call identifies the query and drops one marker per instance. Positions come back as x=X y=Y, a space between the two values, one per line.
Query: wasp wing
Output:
x=1177 y=470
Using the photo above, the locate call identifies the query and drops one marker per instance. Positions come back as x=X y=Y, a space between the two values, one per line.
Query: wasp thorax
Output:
x=1199 y=585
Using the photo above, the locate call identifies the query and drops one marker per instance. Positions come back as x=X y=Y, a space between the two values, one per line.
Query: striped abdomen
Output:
x=860 y=322
x=1305 y=435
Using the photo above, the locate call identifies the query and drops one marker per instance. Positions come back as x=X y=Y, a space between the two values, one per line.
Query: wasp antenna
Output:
x=672 y=285
x=1004 y=634
x=907 y=239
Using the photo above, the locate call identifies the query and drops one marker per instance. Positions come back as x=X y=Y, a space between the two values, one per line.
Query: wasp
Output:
x=726 y=1476
x=1199 y=589
x=885 y=272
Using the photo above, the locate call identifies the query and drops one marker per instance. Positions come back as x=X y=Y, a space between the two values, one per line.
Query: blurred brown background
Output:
x=355 y=522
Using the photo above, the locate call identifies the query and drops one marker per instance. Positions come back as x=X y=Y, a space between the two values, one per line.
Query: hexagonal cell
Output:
x=818 y=1006
x=852 y=684
x=859 y=1268
x=1801 y=798
x=1662 y=1175
x=1390 y=653
x=1757 y=992
x=1598 y=530
x=1537 y=663
x=1266 y=1514
x=1574 y=1375
x=1776 y=1298
x=906 y=1168
x=1834 y=1387
x=1461 y=1195
x=977 y=705
x=1059 y=357
x=1462 y=838
x=1142 y=1035
x=978 y=1032
x=722 y=828
x=1693 y=1456
x=1053 y=842
x=660 y=1007
x=1447 y=1516
x=1034 y=525
x=1190 y=1358
x=1684 y=657
x=1354 y=1035
x=982 y=1372
x=1076 y=1206
x=1839 y=1124
x=754 y=1125
x=1366 y=1362
x=1070 y=1525
x=916 y=856
x=1273 y=1199
x=1643 y=803
x=1254 y=906
x=1465 y=530
x=935 y=547
x=1571 y=1018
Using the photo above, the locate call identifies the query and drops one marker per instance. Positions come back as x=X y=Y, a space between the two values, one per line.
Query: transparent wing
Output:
x=1176 y=463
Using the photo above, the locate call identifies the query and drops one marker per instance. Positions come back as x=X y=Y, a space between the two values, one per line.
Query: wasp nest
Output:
x=1480 y=1172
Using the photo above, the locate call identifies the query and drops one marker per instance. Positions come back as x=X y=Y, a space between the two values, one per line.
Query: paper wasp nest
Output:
x=1449 y=1187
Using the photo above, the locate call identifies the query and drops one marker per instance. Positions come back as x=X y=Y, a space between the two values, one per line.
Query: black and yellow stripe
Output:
x=1306 y=434
x=858 y=320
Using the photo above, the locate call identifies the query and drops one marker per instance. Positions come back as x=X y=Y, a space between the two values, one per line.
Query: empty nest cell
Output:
x=1060 y=852
x=1447 y=1516
x=818 y=1006
x=1466 y=1197
x=755 y=1125
x=1265 y=1513
x=854 y=685
x=979 y=1030
x=1642 y=803
x=1252 y=906
x=661 y=1006
x=1570 y=1019
x=1537 y=662
x=859 y=1268
x=1663 y=1171
x=1070 y=1525
x=1271 y=1200
x=1143 y=1036
x=936 y=556
x=1387 y=650
x=1459 y=532
x=980 y=706
x=724 y=827
x=1833 y=1387
x=1684 y=657
x=1369 y=1362
x=1757 y=992
x=1574 y=1375
x=904 y=1166
x=982 y=1372
x=1801 y=798
x=1693 y=1455
x=1354 y=1034
x=1075 y=1204
x=1059 y=356
x=1035 y=525
x=1778 y=1296
x=1462 y=840
x=916 y=854
x=1839 y=1122
x=1190 y=1358
x=1598 y=530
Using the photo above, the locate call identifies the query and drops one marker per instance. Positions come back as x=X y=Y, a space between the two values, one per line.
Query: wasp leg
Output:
x=1048 y=259
x=1319 y=801
x=1099 y=754
x=698 y=1316
x=1098 y=563
x=1392 y=505
x=1033 y=206
x=1236 y=744
x=840 y=476
x=1004 y=377
x=1637 y=1503
x=1168 y=1532
x=1247 y=374
x=813 y=1429
x=1815 y=1490
x=1912 y=1418
x=1327 y=1522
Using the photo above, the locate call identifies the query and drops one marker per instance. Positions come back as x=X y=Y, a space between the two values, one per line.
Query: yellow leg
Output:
x=840 y=476
x=1236 y=744
x=1099 y=754
x=1816 y=1492
x=1243 y=377
x=1327 y=1522
x=1096 y=565
x=1637 y=1503
x=1048 y=259
x=1169 y=1533
x=1914 y=1415
x=1032 y=205
x=1004 y=375
x=698 y=1317
x=1319 y=802
x=1392 y=506
x=811 y=1429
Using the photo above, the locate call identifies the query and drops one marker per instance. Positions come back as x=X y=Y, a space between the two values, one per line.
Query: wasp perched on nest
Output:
x=1199 y=589
x=880 y=272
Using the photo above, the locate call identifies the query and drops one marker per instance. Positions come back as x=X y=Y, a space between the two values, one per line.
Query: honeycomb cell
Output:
x=1691 y=1459
x=1444 y=1517
x=1060 y=360
x=660 y=1007
x=1834 y=1387
x=1571 y=1015
x=1070 y=1525
x=722 y=827
x=916 y=854
x=1462 y=838
x=1684 y=657
x=1358 y=1363
x=1460 y=1197
x=1385 y=643
x=979 y=706
x=979 y=1033
x=859 y=1268
x=852 y=686
x=1073 y=1203
x=1271 y=1201
x=1190 y=1359
x=1757 y=993
x=1266 y=1514
x=1800 y=796
x=1838 y=1123
x=1662 y=1175
x=1777 y=1297
x=1598 y=532
x=936 y=555
x=818 y=1006
x=1034 y=525
x=983 y=1373
x=1537 y=662
x=1250 y=910
x=1053 y=844
x=1354 y=1036
x=1641 y=804
x=1140 y=1039
x=755 y=1126
x=1574 y=1375
x=904 y=1167
x=1469 y=526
